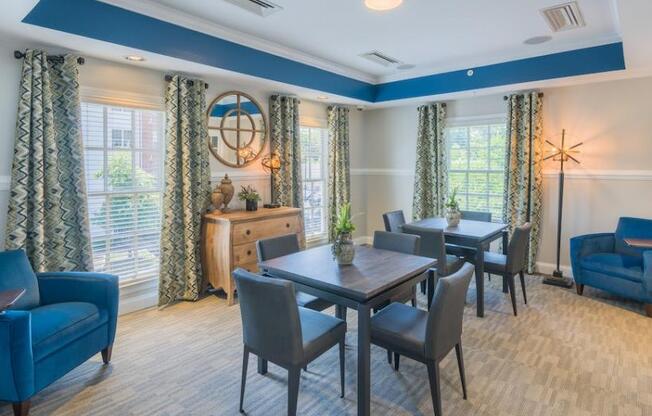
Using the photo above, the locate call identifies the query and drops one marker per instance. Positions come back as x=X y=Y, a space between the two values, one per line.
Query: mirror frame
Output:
x=219 y=129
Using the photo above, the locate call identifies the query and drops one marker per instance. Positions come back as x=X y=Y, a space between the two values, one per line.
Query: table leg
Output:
x=262 y=366
x=479 y=280
x=364 y=360
x=431 y=286
x=505 y=244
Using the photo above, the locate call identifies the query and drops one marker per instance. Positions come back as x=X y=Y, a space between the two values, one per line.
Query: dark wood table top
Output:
x=9 y=297
x=373 y=270
x=639 y=242
x=474 y=230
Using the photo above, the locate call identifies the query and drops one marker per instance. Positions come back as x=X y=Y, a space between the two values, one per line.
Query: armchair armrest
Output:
x=97 y=288
x=585 y=245
x=16 y=359
x=647 y=272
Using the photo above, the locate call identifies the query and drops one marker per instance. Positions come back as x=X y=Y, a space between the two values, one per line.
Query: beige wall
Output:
x=614 y=179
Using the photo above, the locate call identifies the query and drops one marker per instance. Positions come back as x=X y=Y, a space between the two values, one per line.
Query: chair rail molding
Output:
x=575 y=174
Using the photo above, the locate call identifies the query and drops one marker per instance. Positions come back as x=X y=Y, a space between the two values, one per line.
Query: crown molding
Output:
x=169 y=14
x=122 y=98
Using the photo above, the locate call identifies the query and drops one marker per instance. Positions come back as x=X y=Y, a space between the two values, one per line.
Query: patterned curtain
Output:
x=339 y=172
x=48 y=215
x=431 y=171
x=187 y=190
x=285 y=140
x=523 y=179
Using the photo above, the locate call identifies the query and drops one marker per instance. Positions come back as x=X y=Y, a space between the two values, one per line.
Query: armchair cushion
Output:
x=57 y=325
x=17 y=273
x=614 y=264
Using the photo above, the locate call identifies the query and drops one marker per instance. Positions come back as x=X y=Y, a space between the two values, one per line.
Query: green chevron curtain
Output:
x=48 y=215
x=524 y=179
x=186 y=192
x=285 y=140
x=431 y=170
x=339 y=172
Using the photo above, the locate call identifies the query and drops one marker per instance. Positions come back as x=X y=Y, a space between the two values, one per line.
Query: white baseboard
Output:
x=137 y=296
x=548 y=268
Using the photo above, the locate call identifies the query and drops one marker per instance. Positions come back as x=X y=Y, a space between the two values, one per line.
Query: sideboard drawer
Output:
x=244 y=254
x=256 y=230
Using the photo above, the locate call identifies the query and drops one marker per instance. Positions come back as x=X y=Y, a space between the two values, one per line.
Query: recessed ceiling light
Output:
x=382 y=4
x=404 y=67
x=536 y=40
x=322 y=97
x=135 y=58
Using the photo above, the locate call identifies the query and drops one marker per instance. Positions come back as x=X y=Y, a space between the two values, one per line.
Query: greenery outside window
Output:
x=123 y=151
x=476 y=161
x=314 y=165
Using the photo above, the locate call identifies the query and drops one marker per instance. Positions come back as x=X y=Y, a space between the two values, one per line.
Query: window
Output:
x=476 y=161
x=314 y=163
x=123 y=150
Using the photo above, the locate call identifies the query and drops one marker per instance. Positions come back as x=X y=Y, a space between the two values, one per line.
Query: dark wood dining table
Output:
x=475 y=235
x=374 y=277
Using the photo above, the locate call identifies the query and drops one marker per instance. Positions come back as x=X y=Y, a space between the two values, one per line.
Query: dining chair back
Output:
x=444 y=329
x=271 y=248
x=476 y=216
x=400 y=242
x=432 y=244
x=517 y=251
x=393 y=221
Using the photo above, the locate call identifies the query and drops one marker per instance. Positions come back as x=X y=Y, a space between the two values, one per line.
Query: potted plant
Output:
x=250 y=196
x=453 y=213
x=343 y=248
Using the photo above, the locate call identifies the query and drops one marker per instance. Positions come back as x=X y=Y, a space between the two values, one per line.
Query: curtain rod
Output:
x=168 y=78
x=20 y=55
x=506 y=97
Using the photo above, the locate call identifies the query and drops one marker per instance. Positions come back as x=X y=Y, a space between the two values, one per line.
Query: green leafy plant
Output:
x=453 y=204
x=343 y=224
x=248 y=193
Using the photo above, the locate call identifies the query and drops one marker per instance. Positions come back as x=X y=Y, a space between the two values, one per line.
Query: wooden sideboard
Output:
x=230 y=241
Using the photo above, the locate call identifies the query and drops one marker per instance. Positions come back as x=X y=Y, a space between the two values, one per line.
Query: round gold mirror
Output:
x=237 y=129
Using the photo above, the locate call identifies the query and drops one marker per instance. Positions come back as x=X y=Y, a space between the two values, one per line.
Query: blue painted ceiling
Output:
x=105 y=22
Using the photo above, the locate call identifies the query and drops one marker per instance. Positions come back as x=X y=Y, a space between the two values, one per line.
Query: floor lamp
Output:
x=561 y=154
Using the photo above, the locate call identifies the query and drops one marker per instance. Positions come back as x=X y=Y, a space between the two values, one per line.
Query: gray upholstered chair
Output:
x=274 y=247
x=403 y=243
x=462 y=251
x=512 y=263
x=427 y=336
x=476 y=216
x=393 y=221
x=433 y=245
x=275 y=328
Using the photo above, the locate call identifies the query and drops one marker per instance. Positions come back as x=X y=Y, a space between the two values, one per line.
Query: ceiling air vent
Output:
x=260 y=7
x=565 y=16
x=380 y=58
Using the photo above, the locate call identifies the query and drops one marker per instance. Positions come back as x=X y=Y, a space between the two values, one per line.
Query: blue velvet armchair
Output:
x=62 y=320
x=605 y=261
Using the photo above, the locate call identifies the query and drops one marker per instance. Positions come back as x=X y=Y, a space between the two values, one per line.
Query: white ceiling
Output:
x=435 y=36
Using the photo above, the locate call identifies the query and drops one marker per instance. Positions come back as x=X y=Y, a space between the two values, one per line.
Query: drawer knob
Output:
x=248 y=232
x=248 y=252
x=287 y=225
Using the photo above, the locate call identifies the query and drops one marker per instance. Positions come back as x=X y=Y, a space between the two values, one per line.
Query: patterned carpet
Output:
x=563 y=355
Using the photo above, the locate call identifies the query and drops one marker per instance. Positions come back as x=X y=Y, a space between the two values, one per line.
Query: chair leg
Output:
x=342 y=368
x=340 y=312
x=512 y=291
x=106 y=354
x=243 y=380
x=579 y=288
x=505 y=285
x=397 y=357
x=422 y=285
x=389 y=357
x=435 y=393
x=413 y=301
x=522 y=276
x=262 y=366
x=648 y=309
x=294 y=376
x=460 y=366
x=21 y=408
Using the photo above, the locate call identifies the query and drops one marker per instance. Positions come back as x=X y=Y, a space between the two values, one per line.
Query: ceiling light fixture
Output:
x=536 y=40
x=382 y=5
x=134 y=58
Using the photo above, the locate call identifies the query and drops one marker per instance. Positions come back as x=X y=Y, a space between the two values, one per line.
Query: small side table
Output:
x=639 y=242
x=9 y=297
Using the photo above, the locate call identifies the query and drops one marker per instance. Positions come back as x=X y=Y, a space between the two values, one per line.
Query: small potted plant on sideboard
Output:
x=250 y=196
x=343 y=248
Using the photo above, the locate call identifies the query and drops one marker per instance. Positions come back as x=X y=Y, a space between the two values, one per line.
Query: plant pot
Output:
x=453 y=217
x=251 y=205
x=344 y=249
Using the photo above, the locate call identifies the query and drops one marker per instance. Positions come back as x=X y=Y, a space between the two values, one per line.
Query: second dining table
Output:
x=475 y=235
x=374 y=277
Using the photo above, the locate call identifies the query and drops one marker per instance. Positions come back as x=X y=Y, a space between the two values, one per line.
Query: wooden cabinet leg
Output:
x=580 y=288
x=648 y=309
x=21 y=408
x=106 y=354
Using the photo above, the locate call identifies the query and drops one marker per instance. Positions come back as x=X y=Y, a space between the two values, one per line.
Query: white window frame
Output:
x=322 y=238
x=472 y=121
x=136 y=103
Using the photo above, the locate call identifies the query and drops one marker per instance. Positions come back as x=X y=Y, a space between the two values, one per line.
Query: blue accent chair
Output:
x=605 y=261
x=62 y=320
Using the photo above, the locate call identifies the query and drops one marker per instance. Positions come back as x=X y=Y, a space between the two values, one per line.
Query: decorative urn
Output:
x=227 y=189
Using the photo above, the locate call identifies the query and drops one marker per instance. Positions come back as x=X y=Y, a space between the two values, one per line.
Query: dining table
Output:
x=475 y=235
x=373 y=279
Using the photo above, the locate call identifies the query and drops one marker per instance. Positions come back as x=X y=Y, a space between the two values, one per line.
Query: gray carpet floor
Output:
x=563 y=355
